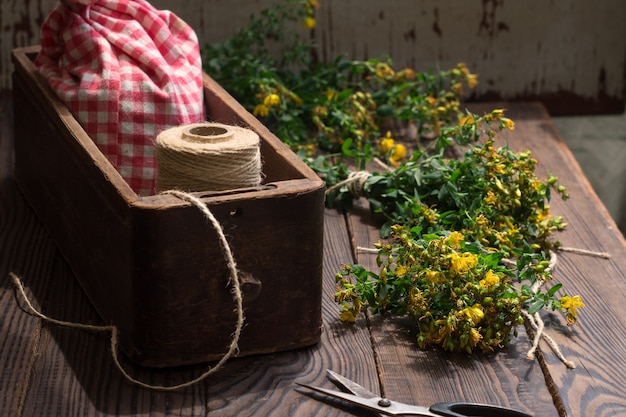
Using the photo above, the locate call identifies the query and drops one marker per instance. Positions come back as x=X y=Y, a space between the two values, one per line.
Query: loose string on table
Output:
x=236 y=293
x=537 y=324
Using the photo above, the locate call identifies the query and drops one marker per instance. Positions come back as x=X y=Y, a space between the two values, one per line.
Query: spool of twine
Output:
x=207 y=157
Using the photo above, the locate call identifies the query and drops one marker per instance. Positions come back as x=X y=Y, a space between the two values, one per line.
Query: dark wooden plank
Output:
x=596 y=343
x=24 y=248
x=75 y=373
x=412 y=375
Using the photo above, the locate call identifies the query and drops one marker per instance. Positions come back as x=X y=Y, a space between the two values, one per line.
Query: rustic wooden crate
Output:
x=152 y=265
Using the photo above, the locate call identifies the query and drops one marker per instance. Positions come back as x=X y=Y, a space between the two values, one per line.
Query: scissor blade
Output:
x=349 y=385
x=391 y=408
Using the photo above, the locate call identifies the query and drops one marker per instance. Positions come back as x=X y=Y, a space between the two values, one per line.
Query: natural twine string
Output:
x=354 y=182
x=603 y=255
x=236 y=292
x=537 y=323
x=207 y=156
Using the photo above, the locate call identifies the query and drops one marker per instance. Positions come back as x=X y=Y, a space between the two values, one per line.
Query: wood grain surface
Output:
x=47 y=370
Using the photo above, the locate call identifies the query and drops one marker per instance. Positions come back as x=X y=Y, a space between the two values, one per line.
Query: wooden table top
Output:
x=47 y=370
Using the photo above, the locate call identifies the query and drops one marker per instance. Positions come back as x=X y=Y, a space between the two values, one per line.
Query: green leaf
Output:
x=417 y=176
x=536 y=306
x=346 y=147
x=385 y=110
x=344 y=94
x=554 y=289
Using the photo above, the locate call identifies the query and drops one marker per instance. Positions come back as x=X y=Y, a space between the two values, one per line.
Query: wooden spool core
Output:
x=208 y=134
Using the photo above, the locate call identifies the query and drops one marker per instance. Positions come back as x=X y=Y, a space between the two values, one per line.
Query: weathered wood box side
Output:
x=152 y=265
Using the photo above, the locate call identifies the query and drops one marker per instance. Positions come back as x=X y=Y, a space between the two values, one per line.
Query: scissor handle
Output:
x=471 y=409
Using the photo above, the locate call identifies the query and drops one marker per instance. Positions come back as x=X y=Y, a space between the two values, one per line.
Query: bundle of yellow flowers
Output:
x=462 y=298
x=447 y=223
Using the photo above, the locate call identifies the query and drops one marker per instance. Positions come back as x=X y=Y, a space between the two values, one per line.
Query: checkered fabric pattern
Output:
x=126 y=71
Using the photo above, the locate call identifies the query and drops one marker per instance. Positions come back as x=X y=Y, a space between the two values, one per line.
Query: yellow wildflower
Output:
x=309 y=22
x=432 y=276
x=397 y=155
x=474 y=313
x=454 y=239
x=482 y=220
x=542 y=215
x=467 y=119
x=429 y=215
x=491 y=199
x=508 y=123
x=431 y=100
x=271 y=100
x=347 y=316
x=261 y=110
x=475 y=336
x=461 y=264
x=405 y=74
x=491 y=278
x=472 y=80
x=313 y=4
x=495 y=114
x=400 y=270
x=384 y=71
x=386 y=144
x=570 y=304
x=499 y=168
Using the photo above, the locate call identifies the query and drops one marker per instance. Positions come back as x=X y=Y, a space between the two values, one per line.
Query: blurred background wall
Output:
x=569 y=54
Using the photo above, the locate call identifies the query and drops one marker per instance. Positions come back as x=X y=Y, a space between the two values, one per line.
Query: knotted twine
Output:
x=232 y=153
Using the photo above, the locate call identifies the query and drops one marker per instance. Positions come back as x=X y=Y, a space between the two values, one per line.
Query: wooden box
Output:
x=152 y=266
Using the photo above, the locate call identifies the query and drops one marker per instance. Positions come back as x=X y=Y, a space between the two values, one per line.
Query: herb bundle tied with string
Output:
x=466 y=241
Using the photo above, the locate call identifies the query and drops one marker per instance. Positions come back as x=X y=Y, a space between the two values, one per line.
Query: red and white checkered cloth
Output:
x=127 y=71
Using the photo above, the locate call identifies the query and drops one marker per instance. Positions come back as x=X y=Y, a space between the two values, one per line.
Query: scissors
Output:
x=355 y=394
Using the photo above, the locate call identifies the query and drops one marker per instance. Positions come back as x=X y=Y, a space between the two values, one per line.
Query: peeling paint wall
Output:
x=571 y=54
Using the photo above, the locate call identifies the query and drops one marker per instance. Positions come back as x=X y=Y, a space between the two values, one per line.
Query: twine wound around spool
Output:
x=207 y=157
